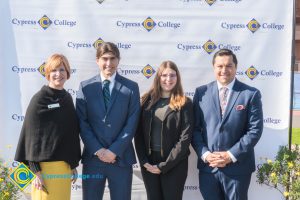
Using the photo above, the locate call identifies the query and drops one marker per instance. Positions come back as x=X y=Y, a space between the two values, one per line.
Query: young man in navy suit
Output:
x=108 y=108
x=228 y=124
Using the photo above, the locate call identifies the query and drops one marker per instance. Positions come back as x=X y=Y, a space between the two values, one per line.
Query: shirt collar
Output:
x=111 y=79
x=229 y=86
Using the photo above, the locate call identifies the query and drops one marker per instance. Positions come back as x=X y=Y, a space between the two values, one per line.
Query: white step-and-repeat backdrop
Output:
x=187 y=32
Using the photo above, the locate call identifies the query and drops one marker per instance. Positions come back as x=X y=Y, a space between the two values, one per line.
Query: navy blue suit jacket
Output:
x=113 y=128
x=238 y=131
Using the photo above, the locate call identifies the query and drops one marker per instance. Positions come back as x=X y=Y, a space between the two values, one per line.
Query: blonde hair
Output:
x=177 y=100
x=54 y=62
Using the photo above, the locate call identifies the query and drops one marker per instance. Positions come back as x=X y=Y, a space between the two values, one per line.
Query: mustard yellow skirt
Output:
x=57 y=179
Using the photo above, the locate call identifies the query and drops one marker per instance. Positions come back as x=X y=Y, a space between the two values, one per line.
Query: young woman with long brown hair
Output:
x=164 y=135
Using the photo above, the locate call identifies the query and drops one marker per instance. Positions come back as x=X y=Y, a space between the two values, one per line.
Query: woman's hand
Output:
x=147 y=166
x=152 y=168
x=74 y=175
x=155 y=170
x=38 y=182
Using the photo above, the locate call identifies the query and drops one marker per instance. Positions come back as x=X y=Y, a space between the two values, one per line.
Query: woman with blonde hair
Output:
x=49 y=141
x=164 y=135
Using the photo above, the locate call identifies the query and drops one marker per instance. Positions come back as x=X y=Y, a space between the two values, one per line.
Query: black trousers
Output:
x=168 y=186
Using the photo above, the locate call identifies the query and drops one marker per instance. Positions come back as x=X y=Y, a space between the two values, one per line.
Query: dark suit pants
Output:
x=220 y=186
x=167 y=186
x=119 y=182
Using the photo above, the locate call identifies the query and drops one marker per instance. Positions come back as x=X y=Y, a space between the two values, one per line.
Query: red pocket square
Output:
x=240 y=107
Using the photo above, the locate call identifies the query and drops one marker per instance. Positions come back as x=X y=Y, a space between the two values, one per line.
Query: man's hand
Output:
x=100 y=153
x=218 y=159
x=225 y=156
x=108 y=156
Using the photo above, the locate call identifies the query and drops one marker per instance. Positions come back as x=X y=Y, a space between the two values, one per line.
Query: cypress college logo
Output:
x=251 y=72
x=146 y=71
x=253 y=25
x=41 y=69
x=149 y=24
x=97 y=43
x=209 y=46
x=22 y=176
x=44 y=22
x=76 y=45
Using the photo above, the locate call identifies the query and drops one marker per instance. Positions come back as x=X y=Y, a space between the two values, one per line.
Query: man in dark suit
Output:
x=108 y=108
x=228 y=124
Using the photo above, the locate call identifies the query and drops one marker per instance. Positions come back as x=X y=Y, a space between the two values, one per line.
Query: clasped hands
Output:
x=218 y=159
x=152 y=168
x=106 y=155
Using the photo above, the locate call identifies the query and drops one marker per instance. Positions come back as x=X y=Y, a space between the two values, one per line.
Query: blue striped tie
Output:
x=106 y=93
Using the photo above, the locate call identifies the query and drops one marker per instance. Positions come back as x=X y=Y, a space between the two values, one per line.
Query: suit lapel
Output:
x=216 y=101
x=232 y=99
x=115 y=91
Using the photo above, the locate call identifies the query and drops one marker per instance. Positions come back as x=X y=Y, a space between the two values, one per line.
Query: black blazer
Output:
x=176 y=135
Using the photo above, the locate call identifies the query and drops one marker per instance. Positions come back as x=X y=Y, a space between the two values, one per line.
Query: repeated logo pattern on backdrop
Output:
x=187 y=32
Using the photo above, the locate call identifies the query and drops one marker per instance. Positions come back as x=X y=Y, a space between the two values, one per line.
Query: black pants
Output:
x=168 y=186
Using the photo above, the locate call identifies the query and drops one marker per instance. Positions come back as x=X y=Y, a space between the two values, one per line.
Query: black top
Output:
x=160 y=110
x=50 y=130
x=176 y=132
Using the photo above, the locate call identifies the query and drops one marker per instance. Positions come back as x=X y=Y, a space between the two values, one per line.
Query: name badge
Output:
x=55 y=105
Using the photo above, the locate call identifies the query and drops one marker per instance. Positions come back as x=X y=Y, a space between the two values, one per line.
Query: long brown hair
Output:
x=177 y=99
